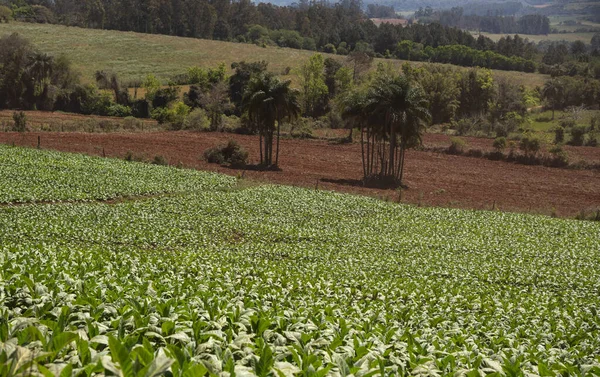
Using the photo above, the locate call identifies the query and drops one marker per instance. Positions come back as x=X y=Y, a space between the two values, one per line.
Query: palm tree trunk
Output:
x=390 y=170
x=362 y=150
x=402 y=152
x=278 y=133
x=260 y=138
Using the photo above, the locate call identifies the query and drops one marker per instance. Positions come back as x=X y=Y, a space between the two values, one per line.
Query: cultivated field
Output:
x=568 y=37
x=133 y=55
x=434 y=179
x=203 y=274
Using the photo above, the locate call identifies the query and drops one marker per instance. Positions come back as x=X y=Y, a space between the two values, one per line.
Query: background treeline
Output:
x=468 y=99
x=493 y=23
x=339 y=28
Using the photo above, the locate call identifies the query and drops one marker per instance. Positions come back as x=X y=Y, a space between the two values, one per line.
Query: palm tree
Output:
x=393 y=113
x=268 y=100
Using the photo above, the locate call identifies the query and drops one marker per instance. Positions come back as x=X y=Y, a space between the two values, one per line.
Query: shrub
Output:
x=567 y=123
x=577 y=135
x=500 y=144
x=175 y=115
x=131 y=123
x=329 y=48
x=197 y=120
x=160 y=160
x=592 y=140
x=304 y=131
x=119 y=111
x=20 y=120
x=5 y=14
x=530 y=145
x=231 y=153
x=457 y=146
x=559 y=156
x=130 y=156
x=559 y=135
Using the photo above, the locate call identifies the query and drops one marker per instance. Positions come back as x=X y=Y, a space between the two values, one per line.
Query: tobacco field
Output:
x=197 y=274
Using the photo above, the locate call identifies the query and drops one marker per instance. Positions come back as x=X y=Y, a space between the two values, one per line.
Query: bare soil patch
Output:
x=433 y=179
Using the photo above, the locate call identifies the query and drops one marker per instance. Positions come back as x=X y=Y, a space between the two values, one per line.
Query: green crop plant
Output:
x=281 y=281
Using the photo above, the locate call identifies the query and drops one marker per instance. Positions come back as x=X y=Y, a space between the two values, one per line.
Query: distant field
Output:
x=133 y=55
x=569 y=37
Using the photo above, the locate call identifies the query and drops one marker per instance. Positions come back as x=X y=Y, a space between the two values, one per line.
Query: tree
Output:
x=555 y=54
x=553 y=93
x=268 y=101
x=442 y=91
x=216 y=102
x=595 y=43
x=238 y=82
x=360 y=63
x=578 y=48
x=312 y=82
x=391 y=114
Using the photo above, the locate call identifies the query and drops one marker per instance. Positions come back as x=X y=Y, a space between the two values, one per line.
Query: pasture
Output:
x=134 y=55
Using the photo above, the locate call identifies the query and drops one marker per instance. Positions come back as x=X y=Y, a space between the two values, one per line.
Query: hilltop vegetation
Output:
x=273 y=281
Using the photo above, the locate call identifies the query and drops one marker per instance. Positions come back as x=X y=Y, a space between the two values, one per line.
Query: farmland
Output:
x=433 y=179
x=209 y=275
x=134 y=55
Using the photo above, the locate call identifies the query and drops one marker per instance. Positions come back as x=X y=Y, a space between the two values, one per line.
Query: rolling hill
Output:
x=134 y=55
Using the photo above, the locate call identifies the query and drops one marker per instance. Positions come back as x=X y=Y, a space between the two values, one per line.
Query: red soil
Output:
x=432 y=178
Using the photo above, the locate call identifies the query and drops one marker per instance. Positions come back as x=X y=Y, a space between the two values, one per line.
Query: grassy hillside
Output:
x=134 y=55
x=216 y=277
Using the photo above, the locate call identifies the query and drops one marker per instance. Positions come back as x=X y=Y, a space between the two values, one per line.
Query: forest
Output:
x=492 y=23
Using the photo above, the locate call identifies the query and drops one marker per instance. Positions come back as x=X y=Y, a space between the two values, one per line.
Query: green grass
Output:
x=133 y=55
x=569 y=37
x=283 y=281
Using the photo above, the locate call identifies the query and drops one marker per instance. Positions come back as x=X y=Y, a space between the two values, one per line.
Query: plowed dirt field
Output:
x=433 y=179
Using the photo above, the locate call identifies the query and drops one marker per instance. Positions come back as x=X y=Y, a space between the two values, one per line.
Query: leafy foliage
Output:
x=281 y=281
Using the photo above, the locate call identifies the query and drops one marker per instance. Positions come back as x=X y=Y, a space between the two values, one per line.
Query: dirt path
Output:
x=433 y=178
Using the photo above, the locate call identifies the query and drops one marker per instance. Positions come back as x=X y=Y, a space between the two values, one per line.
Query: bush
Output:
x=530 y=145
x=457 y=146
x=131 y=123
x=559 y=135
x=329 y=48
x=592 y=140
x=500 y=144
x=20 y=120
x=175 y=115
x=119 y=111
x=130 y=156
x=197 y=121
x=567 y=123
x=231 y=153
x=5 y=14
x=559 y=157
x=577 y=135
x=160 y=160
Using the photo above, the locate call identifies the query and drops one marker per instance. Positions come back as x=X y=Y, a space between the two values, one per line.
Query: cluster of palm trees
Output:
x=390 y=113
x=269 y=101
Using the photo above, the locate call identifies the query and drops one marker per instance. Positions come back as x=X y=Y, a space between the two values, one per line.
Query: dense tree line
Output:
x=457 y=17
